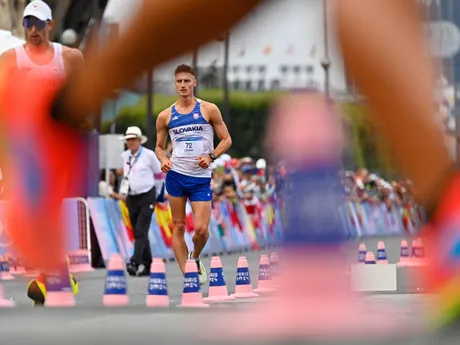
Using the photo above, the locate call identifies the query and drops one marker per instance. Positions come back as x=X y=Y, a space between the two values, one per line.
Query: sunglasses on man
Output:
x=30 y=22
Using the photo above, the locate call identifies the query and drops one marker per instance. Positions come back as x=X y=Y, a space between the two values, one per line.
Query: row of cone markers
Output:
x=116 y=295
x=9 y=268
x=415 y=258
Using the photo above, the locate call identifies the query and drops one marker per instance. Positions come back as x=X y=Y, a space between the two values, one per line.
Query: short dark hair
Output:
x=185 y=69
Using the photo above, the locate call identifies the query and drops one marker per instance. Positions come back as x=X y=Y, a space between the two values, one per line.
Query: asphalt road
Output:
x=89 y=321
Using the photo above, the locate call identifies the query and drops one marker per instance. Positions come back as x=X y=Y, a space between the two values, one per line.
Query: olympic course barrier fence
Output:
x=231 y=227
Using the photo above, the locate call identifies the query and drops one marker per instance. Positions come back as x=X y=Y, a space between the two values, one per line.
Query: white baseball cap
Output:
x=38 y=9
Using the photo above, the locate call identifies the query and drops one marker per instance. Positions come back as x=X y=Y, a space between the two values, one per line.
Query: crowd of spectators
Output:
x=232 y=179
x=361 y=186
x=253 y=182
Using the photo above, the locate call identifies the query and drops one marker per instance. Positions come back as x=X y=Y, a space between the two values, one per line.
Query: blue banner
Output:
x=233 y=226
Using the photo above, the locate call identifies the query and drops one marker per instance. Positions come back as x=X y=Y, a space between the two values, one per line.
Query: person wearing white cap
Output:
x=38 y=55
x=141 y=186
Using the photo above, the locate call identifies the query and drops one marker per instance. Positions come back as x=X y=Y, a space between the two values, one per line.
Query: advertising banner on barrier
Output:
x=370 y=220
x=233 y=226
x=230 y=229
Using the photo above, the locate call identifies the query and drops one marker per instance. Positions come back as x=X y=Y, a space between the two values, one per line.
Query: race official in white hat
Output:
x=142 y=185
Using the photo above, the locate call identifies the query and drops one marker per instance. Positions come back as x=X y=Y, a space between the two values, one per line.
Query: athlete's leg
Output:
x=178 y=242
x=201 y=216
x=392 y=68
x=200 y=196
x=177 y=201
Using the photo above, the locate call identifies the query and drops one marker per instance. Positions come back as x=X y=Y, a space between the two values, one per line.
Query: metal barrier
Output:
x=77 y=225
x=80 y=260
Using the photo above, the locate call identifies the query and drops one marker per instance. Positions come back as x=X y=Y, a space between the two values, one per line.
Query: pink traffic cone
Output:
x=404 y=259
x=264 y=284
x=381 y=253
x=421 y=252
x=157 y=295
x=191 y=296
x=217 y=286
x=362 y=253
x=115 y=294
x=417 y=253
x=58 y=288
x=5 y=269
x=80 y=261
x=305 y=310
x=5 y=303
x=370 y=259
x=243 y=286
x=413 y=254
x=274 y=269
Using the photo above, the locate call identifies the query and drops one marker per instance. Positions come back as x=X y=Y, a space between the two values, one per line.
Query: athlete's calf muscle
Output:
x=202 y=215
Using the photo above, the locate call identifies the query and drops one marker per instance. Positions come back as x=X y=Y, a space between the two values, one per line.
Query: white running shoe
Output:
x=202 y=274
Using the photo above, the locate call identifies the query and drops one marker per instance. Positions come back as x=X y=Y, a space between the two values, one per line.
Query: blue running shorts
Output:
x=195 y=188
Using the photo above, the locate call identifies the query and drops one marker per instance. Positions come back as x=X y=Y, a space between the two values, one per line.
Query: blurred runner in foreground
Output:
x=42 y=157
x=383 y=47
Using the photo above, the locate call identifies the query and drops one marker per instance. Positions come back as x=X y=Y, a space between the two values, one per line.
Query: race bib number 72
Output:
x=189 y=147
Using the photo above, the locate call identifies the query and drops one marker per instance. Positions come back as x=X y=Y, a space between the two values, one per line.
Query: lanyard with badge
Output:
x=124 y=187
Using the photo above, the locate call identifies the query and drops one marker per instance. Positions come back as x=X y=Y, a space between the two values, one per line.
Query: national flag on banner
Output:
x=164 y=219
x=126 y=220
x=219 y=220
x=234 y=216
x=419 y=213
x=405 y=220
x=246 y=224
x=270 y=217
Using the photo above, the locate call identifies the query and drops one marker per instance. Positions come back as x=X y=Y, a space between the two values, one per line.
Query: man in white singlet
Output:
x=191 y=123
x=38 y=55
x=46 y=60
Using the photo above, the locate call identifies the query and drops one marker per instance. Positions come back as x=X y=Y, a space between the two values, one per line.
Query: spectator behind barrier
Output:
x=108 y=190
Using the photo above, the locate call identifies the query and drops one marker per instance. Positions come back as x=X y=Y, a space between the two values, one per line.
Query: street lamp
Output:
x=326 y=62
x=225 y=38
x=195 y=67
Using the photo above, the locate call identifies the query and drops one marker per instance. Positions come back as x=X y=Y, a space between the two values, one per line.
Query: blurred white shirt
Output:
x=143 y=170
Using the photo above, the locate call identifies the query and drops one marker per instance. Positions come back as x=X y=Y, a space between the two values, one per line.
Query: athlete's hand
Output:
x=204 y=162
x=166 y=165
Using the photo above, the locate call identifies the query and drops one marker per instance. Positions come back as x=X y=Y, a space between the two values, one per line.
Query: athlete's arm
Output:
x=391 y=65
x=162 y=134
x=149 y=41
x=215 y=117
